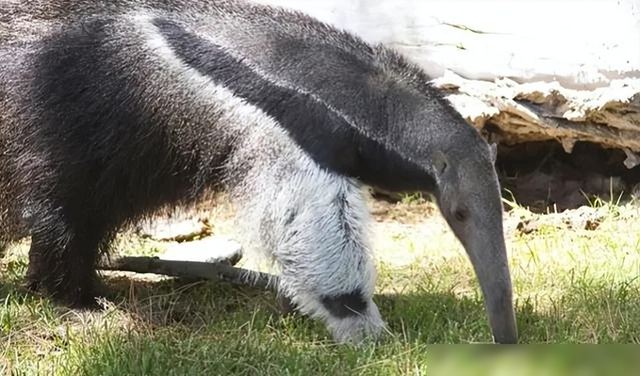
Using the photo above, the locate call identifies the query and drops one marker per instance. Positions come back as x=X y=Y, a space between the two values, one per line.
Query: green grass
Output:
x=571 y=285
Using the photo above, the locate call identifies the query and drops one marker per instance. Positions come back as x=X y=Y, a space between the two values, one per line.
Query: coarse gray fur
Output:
x=114 y=109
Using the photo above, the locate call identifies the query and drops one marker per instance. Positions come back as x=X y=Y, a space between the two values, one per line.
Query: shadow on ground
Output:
x=587 y=311
x=173 y=326
x=593 y=312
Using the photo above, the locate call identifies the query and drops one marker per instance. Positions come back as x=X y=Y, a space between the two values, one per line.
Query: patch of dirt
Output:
x=413 y=210
x=581 y=219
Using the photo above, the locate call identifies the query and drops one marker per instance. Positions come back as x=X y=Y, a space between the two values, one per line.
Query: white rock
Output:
x=167 y=229
x=212 y=249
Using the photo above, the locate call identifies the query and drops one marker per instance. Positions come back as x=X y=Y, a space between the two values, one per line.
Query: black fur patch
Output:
x=324 y=134
x=345 y=305
x=110 y=149
x=101 y=152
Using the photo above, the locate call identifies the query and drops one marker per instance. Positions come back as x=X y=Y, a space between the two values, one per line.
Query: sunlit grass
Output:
x=572 y=285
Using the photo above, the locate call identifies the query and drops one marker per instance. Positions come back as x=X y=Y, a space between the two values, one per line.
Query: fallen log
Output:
x=513 y=113
x=516 y=82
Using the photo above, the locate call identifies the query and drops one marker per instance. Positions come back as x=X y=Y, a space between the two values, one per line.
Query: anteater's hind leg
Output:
x=63 y=256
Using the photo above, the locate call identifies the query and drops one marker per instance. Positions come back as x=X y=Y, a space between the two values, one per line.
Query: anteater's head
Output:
x=468 y=195
x=467 y=192
x=437 y=151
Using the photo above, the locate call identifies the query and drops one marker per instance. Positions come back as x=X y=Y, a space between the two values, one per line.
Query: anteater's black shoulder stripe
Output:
x=325 y=135
x=310 y=123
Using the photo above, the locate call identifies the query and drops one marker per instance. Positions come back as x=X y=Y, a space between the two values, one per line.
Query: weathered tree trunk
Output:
x=522 y=71
x=515 y=113
x=554 y=84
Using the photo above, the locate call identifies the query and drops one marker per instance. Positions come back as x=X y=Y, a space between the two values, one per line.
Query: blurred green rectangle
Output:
x=533 y=360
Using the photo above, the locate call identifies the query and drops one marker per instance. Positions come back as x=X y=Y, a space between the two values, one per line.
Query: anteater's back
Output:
x=86 y=85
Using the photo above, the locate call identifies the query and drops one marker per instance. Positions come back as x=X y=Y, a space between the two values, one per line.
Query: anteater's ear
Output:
x=440 y=163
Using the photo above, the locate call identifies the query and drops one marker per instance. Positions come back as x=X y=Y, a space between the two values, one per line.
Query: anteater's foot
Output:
x=80 y=296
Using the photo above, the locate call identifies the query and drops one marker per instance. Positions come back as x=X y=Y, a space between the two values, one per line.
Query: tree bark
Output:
x=512 y=113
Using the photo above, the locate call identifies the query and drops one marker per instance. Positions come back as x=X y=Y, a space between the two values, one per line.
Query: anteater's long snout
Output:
x=489 y=259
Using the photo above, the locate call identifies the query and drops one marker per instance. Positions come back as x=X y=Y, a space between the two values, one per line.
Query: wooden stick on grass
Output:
x=192 y=269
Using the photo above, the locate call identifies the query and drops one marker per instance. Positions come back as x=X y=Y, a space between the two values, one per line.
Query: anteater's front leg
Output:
x=63 y=254
x=315 y=226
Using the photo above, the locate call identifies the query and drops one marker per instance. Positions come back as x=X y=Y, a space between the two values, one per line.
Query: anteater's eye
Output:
x=461 y=215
